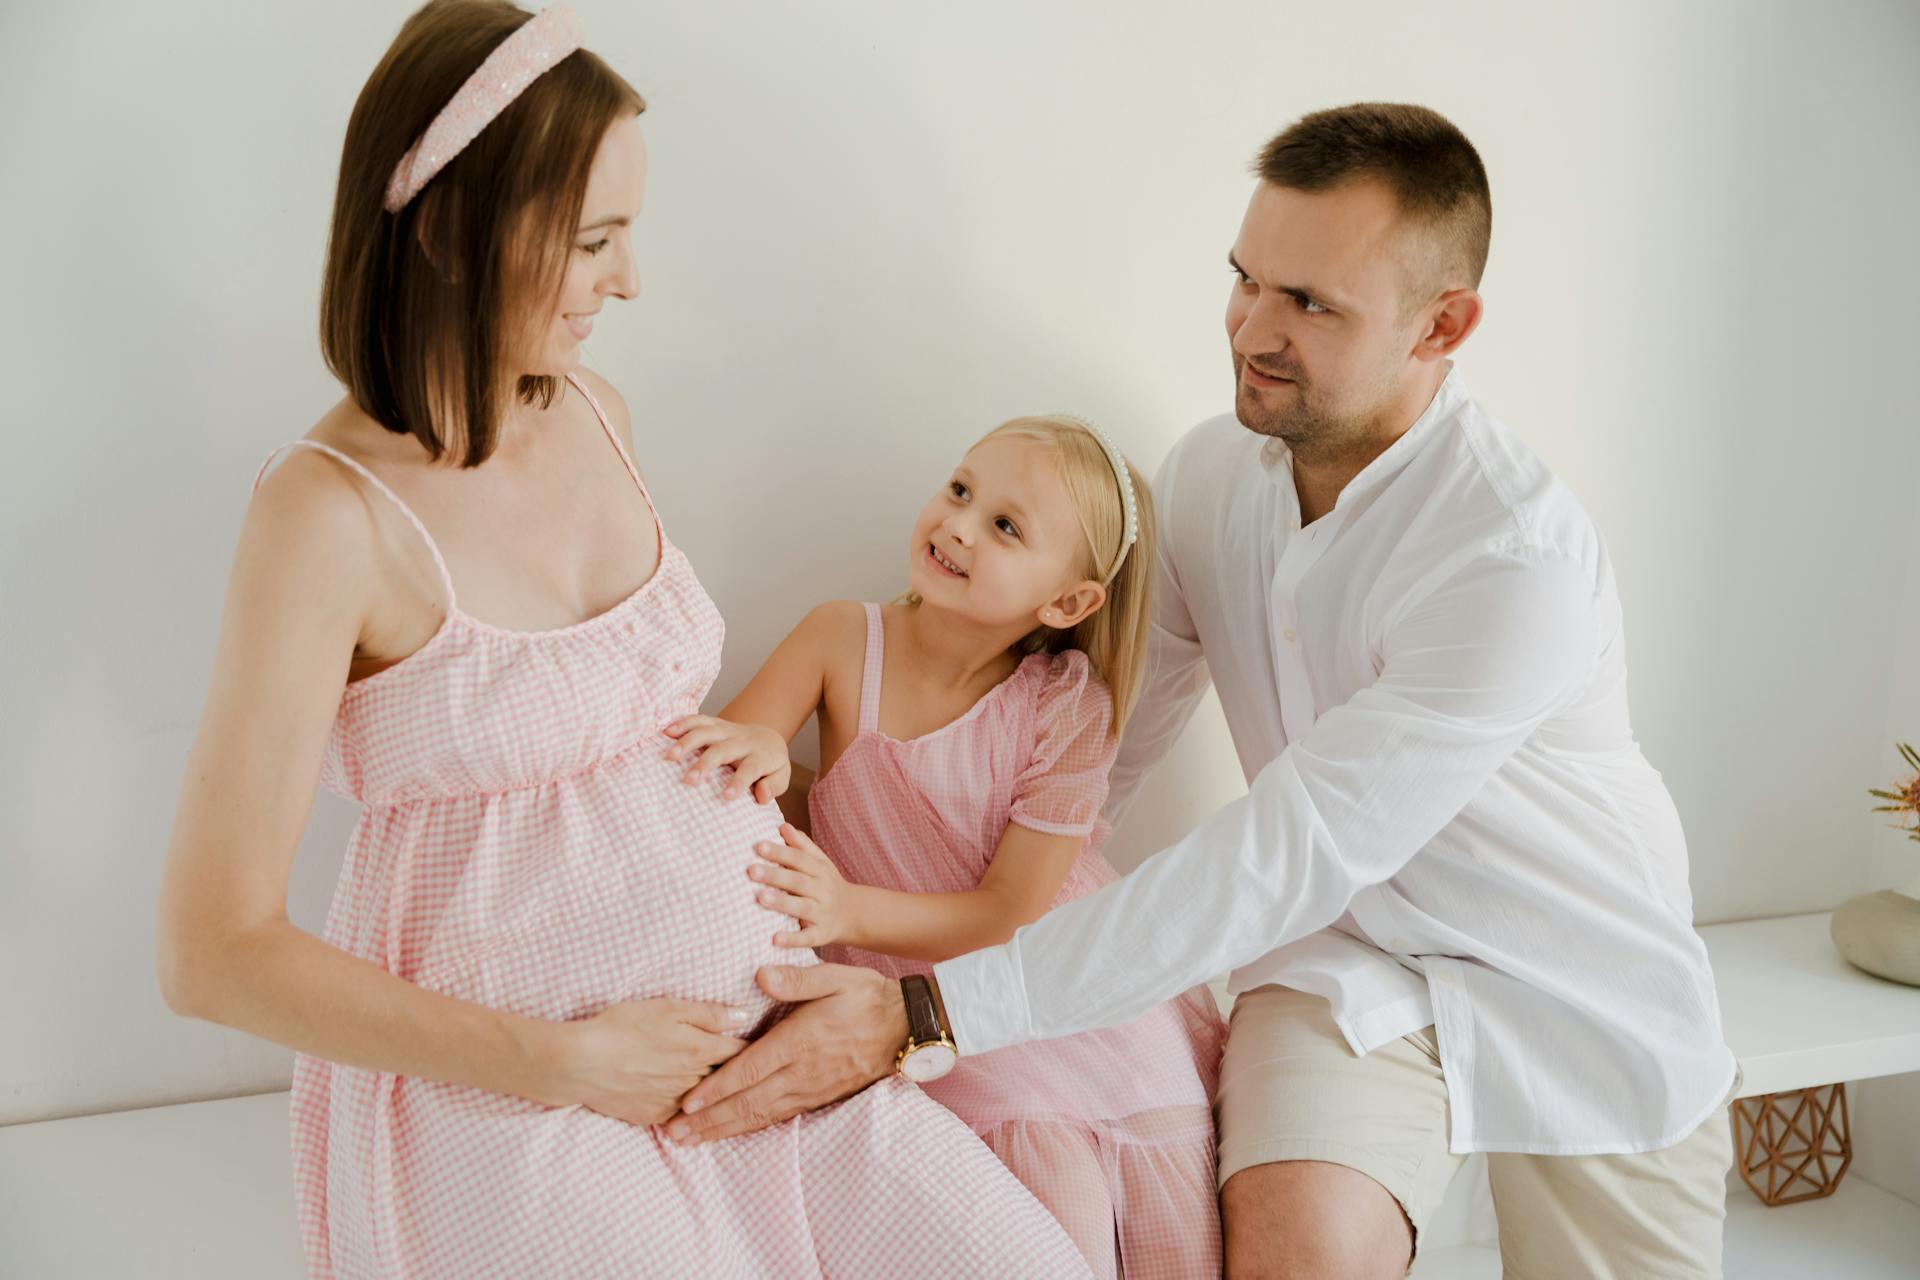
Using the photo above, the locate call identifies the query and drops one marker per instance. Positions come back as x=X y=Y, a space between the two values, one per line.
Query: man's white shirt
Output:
x=1448 y=820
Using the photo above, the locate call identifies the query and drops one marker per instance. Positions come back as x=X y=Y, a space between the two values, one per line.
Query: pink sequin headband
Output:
x=534 y=48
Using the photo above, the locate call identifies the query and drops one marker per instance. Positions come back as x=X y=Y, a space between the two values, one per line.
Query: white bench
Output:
x=203 y=1189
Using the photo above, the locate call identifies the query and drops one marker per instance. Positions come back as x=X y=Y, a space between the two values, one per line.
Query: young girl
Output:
x=966 y=733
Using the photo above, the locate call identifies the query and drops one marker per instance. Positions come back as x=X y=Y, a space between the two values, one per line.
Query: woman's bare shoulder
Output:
x=610 y=400
x=350 y=429
x=310 y=502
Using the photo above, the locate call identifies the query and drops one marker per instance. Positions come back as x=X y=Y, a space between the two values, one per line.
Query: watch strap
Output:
x=926 y=1015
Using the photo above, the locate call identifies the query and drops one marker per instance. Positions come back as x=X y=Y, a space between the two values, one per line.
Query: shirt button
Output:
x=1291 y=635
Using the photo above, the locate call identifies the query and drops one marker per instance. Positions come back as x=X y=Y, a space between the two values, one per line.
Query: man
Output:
x=1455 y=897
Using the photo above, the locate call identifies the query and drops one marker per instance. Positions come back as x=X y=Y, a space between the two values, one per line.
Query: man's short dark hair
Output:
x=1429 y=165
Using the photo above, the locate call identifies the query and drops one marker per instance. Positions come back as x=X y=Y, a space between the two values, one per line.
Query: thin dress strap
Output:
x=439 y=562
x=870 y=673
x=613 y=437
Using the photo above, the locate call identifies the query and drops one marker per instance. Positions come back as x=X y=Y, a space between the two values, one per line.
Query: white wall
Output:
x=1886 y=1113
x=874 y=230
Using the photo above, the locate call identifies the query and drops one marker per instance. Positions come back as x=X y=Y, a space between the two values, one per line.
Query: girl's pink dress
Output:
x=1113 y=1129
x=523 y=844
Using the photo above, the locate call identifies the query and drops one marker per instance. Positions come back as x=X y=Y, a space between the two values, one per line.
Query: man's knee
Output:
x=1308 y=1220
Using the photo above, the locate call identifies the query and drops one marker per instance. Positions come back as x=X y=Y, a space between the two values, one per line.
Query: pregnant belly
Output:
x=623 y=884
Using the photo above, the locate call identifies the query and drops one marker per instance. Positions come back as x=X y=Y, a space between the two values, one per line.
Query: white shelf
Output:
x=1797 y=1015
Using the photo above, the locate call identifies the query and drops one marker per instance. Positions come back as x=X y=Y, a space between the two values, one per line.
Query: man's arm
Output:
x=1469 y=675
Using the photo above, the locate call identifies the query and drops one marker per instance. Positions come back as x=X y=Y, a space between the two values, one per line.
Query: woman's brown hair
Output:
x=421 y=310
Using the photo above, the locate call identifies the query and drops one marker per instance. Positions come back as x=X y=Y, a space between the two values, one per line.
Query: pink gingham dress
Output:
x=523 y=844
x=1112 y=1129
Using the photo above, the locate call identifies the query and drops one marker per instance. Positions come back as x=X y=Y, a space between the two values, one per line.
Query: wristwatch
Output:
x=930 y=1051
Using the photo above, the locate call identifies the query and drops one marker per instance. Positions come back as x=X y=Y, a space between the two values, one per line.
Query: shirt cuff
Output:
x=986 y=999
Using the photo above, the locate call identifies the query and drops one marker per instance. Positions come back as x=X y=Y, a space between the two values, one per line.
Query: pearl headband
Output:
x=516 y=62
x=1123 y=476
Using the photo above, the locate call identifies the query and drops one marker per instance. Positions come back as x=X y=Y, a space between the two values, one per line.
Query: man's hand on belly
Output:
x=846 y=1032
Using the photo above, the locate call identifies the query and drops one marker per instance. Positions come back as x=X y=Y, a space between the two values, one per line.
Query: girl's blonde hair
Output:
x=1114 y=636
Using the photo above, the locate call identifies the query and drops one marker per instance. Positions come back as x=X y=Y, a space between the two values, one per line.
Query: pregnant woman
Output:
x=540 y=938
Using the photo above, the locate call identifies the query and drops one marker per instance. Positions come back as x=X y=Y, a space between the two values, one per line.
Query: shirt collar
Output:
x=1447 y=398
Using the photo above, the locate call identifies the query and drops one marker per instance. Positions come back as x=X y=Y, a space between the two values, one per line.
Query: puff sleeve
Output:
x=1064 y=783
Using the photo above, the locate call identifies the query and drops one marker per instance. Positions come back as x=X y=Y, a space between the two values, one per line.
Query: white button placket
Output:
x=1297 y=712
x=1299 y=551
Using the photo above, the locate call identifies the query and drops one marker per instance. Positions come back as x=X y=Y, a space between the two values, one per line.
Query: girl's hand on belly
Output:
x=635 y=1061
x=802 y=882
x=758 y=755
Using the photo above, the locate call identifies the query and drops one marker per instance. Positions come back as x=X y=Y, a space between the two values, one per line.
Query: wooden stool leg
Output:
x=1798 y=1138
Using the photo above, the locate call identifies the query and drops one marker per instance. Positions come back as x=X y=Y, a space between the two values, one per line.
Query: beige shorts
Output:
x=1291 y=1089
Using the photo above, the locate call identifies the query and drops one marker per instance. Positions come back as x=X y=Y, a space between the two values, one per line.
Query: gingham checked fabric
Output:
x=1113 y=1126
x=1136 y=1194
x=524 y=844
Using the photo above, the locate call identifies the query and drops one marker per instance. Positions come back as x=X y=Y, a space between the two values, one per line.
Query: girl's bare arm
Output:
x=1027 y=871
x=791 y=685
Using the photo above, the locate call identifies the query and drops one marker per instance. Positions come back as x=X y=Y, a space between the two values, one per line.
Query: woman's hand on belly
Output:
x=635 y=1061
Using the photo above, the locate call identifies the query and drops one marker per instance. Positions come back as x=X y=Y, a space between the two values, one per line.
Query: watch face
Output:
x=928 y=1062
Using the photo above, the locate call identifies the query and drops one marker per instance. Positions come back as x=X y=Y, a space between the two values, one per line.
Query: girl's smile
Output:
x=943 y=564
